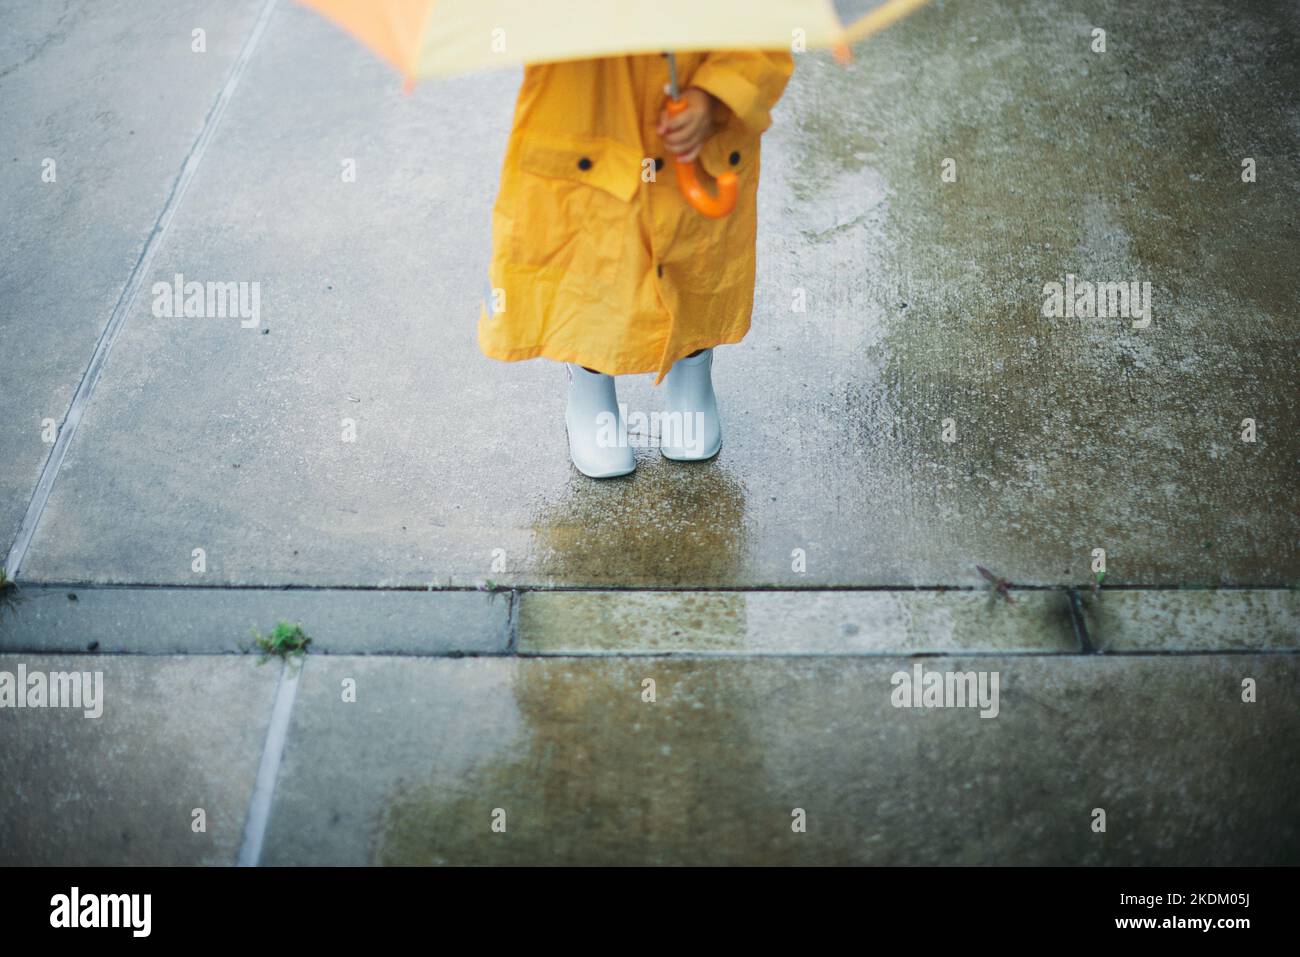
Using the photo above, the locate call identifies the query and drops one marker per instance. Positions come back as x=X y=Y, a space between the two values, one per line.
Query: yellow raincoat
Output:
x=597 y=257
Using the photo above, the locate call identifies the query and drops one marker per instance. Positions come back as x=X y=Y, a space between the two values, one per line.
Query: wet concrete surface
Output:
x=213 y=621
x=892 y=307
x=587 y=772
x=923 y=303
x=662 y=760
x=795 y=623
x=160 y=621
x=114 y=96
x=175 y=735
x=1202 y=621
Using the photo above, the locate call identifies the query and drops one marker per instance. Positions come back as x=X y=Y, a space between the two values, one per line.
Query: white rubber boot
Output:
x=595 y=425
x=688 y=389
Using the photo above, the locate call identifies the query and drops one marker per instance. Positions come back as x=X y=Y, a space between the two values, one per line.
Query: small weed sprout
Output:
x=286 y=641
x=9 y=597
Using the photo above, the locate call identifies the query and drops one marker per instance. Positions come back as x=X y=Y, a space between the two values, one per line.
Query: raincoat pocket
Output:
x=733 y=148
x=573 y=205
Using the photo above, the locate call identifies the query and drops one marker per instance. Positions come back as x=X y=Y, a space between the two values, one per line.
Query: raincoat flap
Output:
x=605 y=164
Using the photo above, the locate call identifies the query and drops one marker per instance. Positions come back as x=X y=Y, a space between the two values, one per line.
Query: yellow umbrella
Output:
x=424 y=38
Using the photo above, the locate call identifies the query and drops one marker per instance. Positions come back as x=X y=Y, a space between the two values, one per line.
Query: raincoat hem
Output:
x=608 y=366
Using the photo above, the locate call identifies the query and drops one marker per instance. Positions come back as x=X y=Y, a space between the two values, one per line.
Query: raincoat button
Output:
x=661 y=270
x=584 y=164
x=659 y=163
x=734 y=158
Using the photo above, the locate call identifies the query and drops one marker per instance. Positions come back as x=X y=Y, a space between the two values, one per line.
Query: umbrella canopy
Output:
x=423 y=38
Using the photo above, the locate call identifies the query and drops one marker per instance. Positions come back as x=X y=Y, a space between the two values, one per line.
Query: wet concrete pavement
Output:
x=901 y=412
x=923 y=304
x=393 y=760
x=176 y=736
x=713 y=770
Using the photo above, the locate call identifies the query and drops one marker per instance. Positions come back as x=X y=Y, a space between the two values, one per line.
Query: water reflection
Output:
x=668 y=524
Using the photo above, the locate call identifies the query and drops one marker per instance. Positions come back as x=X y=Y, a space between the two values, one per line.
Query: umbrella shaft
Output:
x=672 y=76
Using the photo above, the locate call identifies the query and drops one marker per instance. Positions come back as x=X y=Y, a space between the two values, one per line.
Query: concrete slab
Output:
x=924 y=304
x=115 y=96
x=710 y=772
x=339 y=337
x=1201 y=621
x=175 y=735
x=793 y=623
x=160 y=621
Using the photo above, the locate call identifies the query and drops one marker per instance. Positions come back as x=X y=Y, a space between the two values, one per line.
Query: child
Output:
x=598 y=259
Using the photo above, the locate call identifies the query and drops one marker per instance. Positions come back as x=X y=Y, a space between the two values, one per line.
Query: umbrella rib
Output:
x=419 y=40
x=881 y=17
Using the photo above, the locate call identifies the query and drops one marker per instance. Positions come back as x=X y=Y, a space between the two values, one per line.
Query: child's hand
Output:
x=685 y=132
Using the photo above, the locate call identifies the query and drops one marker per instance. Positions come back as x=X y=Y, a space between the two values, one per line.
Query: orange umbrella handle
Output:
x=715 y=207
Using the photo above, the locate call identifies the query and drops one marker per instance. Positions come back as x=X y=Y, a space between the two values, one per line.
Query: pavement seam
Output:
x=635 y=589
x=126 y=302
x=268 y=768
x=507 y=627
x=900 y=654
x=696 y=655
x=512 y=623
x=1080 y=625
